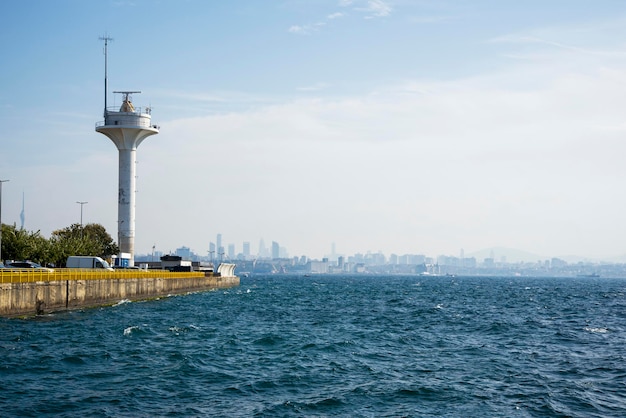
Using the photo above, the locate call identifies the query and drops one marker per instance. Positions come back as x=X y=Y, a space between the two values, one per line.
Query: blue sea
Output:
x=330 y=346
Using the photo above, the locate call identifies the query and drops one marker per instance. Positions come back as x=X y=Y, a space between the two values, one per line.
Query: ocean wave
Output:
x=362 y=347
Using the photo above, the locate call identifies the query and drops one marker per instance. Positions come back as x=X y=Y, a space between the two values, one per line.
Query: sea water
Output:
x=321 y=346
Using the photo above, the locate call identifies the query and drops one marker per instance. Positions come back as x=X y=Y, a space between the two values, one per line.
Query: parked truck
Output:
x=87 y=262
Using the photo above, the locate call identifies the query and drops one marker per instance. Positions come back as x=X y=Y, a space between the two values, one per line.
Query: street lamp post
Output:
x=81 y=212
x=1 y=181
x=81 y=217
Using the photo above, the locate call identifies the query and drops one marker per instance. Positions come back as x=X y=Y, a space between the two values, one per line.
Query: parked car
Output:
x=27 y=265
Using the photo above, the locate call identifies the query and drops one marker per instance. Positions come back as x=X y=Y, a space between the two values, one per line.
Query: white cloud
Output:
x=589 y=39
x=535 y=40
x=372 y=9
x=376 y=8
x=306 y=29
x=469 y=163
x=299 y=29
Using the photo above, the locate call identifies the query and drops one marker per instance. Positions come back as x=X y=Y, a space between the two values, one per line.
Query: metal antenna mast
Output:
x=106 y=40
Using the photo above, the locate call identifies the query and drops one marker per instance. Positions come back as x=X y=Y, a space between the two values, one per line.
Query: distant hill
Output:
x=516 y=256
x=573 y=259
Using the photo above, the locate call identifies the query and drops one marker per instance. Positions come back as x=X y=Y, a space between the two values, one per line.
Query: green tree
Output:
x=91 y=239
x=100 y=237
x=20 y=244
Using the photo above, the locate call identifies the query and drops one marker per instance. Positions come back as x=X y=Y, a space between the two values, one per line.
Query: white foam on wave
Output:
x=129 y=330
x=599 y=330
x=122 y=302
x=176 y=330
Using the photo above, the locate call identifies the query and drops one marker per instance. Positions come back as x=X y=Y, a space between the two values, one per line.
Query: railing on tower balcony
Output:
x=137 y=118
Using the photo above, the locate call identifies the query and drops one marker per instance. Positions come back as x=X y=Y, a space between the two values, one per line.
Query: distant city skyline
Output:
x=245 y=251
x=392 y=126
x=407 y=264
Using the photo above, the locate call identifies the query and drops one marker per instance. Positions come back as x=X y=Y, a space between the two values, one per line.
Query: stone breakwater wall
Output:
x=36 y=298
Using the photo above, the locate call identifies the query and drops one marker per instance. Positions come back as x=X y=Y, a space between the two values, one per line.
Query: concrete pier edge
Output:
x=38 y=298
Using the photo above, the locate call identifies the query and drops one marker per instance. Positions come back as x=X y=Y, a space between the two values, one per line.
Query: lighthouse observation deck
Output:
x=136 y=119
x=127 y=116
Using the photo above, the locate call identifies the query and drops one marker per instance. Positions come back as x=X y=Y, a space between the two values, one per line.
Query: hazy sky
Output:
x=406 y=126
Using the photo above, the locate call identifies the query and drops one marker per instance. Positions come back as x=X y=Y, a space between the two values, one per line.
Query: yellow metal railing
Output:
x=36 y=275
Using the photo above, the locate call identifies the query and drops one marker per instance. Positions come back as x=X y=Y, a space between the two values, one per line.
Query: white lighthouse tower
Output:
x=127 y=127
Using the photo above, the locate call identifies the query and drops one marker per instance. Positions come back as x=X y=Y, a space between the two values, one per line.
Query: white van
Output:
x=87 y=262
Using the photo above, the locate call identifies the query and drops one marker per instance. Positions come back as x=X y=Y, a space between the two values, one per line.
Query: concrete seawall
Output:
x=35 y=298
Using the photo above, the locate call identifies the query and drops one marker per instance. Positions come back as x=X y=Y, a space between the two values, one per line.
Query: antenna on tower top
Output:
x=127 y=94
x=106 y=40
x=127 y=105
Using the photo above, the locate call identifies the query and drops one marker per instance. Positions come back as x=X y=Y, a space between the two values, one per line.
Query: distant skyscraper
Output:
x=275 y=250
x=246 y=250
x=220 y=249
x=231 y=251
x=262 y=249
x=184 y=252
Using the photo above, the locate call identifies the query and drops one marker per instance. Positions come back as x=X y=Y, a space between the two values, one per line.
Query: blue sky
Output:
x=402 y=126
